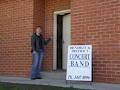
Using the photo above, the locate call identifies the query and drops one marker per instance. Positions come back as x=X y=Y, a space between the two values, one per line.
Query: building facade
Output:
x=89 y=22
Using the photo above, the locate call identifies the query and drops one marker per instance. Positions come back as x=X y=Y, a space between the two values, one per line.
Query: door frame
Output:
x=55 y=35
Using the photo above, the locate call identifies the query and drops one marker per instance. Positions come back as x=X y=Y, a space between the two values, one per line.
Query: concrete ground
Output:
x=61 y=83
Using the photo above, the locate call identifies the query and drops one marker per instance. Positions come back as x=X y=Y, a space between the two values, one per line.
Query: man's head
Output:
x=38 y=30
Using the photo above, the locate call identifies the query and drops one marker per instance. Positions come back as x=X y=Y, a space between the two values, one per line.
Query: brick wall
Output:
x=16 y=26
x=39 y=14
x=50 y=7
x=97 y=22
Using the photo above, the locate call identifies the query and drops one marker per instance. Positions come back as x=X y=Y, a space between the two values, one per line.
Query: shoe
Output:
x=33 y=78
x=38 y=78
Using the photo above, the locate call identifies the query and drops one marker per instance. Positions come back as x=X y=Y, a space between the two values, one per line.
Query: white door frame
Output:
x=55 y=36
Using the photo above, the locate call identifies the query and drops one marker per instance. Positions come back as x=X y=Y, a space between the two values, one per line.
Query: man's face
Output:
x=38 y=30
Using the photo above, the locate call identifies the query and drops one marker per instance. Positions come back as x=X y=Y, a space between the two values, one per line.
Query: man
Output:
x=37 y=42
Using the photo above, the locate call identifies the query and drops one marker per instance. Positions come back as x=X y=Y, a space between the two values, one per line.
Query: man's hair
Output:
x=38 y=26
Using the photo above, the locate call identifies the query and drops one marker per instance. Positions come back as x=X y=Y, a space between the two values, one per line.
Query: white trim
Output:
x=55 y=35
x=62 y=12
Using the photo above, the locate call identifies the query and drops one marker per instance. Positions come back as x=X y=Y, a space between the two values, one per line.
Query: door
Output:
x=66 y=38
x=59 y=40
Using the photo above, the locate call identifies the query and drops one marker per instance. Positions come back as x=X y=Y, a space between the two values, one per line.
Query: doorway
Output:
x=62 y=38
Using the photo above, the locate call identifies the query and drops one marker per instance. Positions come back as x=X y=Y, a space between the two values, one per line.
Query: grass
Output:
x=9 y=86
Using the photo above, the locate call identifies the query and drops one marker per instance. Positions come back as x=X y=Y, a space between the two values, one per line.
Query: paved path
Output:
x=61 y=83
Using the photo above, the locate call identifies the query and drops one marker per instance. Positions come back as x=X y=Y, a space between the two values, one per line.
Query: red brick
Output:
x=95 y=22
x=16 y=26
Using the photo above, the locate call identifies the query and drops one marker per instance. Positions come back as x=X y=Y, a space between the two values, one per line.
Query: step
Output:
x=57 y=75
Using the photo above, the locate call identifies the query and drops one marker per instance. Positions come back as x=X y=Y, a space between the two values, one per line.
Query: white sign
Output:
x=79 y=63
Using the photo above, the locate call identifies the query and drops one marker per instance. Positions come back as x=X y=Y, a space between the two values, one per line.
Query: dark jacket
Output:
x=38 y=42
